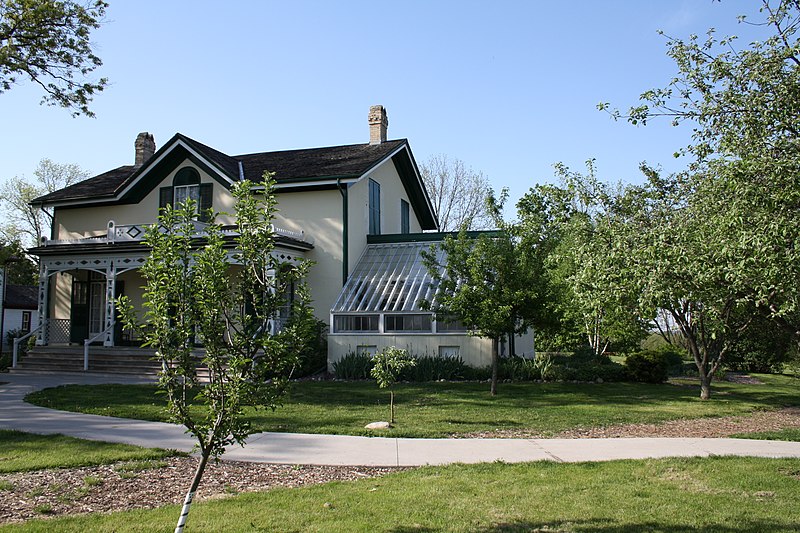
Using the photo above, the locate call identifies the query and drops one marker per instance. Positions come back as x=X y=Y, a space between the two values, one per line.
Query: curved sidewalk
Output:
x=293 y=448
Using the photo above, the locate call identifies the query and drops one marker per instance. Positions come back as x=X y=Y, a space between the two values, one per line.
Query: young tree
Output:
x=458 y=193
x=31 y=221
x=49 y=43
x=494 y=283
x=227 y=299
x=387 y=365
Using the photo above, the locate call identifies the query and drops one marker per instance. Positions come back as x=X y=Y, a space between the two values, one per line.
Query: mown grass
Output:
x=21 y=452
x=788 y=434
x=727 y=495
x=442 y=409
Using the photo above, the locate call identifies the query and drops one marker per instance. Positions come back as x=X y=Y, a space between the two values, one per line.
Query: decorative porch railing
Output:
x=135 y=232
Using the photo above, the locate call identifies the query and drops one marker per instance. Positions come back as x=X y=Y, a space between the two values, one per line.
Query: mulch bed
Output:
x=118 y=487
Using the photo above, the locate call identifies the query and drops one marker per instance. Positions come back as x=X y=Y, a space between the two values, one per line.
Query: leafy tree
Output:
x=458 y=193
x=744 y=105
x=493 y=283
x=587 y=297
x=49 y=43
x=32 y=221
x=662 y=252
x=227 y=298
x=387 y=365
x=23 y=271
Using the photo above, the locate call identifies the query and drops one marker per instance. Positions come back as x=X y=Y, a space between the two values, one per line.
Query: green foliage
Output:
x=193 y=294
x=19 y=267
x=588 y=303
x=353 y=366
x=764 y=347
x=388 y=363
x=434 y=368
x=313 y=356
x=50 y=44
x=735 y=244
x=648 y=366
x=494 y=283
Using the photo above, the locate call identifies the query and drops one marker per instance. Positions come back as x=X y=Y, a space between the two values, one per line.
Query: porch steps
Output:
x=117 y=360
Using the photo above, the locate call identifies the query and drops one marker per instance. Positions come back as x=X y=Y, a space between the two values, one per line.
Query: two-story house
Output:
x=360 y=212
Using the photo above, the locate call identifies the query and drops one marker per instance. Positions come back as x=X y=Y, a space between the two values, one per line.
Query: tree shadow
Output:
x=607 y=525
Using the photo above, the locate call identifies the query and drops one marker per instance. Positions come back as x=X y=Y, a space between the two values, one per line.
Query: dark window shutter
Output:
x=164 y=197
x=206 y=195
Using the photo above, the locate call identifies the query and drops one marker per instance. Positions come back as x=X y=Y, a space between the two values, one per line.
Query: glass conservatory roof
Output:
x=390 y=277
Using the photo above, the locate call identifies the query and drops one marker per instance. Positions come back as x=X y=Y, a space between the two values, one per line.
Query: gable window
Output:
x=404 y=214
x=374 y=208
x=186 y=186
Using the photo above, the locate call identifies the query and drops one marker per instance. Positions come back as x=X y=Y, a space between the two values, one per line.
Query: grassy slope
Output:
x=677 y=495
x=441 y=409
x=21 y=452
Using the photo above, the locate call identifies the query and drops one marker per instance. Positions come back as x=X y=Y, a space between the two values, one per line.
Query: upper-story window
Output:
x=374 y=208
x=186 y=186
x=405 y=225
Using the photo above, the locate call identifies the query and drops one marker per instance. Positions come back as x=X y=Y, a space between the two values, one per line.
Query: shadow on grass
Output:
x=600 y=525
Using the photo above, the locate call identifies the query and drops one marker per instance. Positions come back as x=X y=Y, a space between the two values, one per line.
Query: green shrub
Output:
x=519 y=369
x=764 y=347
x=433 y=368
x=314 y=357
x=648 y=366
x=353 y=366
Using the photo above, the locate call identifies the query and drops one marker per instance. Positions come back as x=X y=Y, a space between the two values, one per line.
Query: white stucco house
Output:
x=359 y=211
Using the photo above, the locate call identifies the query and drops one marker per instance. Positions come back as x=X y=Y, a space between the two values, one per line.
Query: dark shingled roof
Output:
x=289 y=166
x=21 y=297
x=329 y=162
x=105 y=184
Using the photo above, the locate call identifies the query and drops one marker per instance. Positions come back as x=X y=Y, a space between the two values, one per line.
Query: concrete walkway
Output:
x=293 y=448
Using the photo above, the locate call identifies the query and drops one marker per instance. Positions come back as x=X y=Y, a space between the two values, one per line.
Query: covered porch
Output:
x=81 y=279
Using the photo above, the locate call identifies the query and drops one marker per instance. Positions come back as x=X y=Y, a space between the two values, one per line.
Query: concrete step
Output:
x=107 y=360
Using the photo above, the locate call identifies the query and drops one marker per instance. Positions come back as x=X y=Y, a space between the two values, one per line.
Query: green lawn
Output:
x=726 y=495
x=789 y=434
x=20 y=452
x=442 y=409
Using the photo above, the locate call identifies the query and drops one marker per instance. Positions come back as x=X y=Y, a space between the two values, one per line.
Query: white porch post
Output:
x=111 y=281
x=43 y=336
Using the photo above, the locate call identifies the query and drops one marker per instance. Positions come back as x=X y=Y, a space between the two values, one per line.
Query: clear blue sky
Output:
x=508 y=87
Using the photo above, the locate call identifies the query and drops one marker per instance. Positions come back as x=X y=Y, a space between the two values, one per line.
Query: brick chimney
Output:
x=378 y=124
x=145 y=148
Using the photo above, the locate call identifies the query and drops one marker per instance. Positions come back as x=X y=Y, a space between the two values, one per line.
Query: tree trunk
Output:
x=187 y=502
x=705 y=384
x=391 y=407
x=494 y=367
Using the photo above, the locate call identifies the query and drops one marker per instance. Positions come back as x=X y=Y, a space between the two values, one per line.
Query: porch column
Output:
x=111 y=281
x=43 y=336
